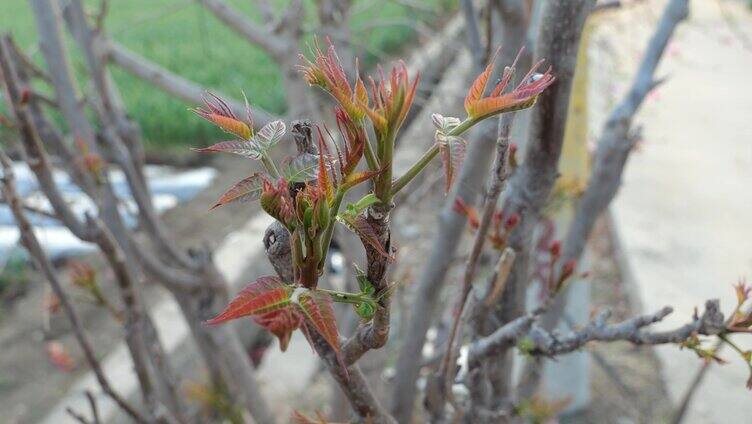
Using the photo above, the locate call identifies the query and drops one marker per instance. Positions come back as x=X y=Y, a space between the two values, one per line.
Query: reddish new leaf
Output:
x=281 y=323
x=360 y=226
x=317 y=309
x=246 y=190
x=267 y=294
x=324 y=182
x=452 y=151
x=358 y=177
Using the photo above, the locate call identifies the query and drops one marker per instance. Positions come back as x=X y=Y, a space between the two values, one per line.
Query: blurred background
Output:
x=678 y=233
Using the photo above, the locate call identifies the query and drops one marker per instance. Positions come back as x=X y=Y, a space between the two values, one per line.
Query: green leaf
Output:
x=270 y=134
x=300 y=169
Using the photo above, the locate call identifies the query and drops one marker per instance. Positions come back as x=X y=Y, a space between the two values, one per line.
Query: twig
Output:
x=694 y=385
x=93 y=406
x=500 y=172
x=503 y=268
x=29 y=240
x=541 y=342
x=173 y=84
x=562 y=24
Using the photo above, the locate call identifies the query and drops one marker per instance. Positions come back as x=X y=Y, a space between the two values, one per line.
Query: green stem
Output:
x=427 y=157
x=734 y=346
x=271 y=168
x=327 y=237
x=384 y=182
x=373 y=163
x=345 y=297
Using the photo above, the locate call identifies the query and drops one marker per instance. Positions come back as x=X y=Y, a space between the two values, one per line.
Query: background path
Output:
x=685 y=208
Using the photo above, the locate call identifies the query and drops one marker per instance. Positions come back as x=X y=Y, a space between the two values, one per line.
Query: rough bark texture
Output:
x=447 y=239
x=614 y=147
x=558 y=42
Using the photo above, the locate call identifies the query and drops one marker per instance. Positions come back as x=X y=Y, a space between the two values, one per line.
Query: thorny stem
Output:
x=427 y=157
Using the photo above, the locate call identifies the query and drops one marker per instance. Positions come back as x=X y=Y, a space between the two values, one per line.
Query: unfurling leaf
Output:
x=218 y=112
x=270 y=134
x=246 y=190
x=243 y=148
x=267 y=294
x=444 y=124
x=325 y=183
x=82 y=275
x=276 y=201
x=452 y=151
x=301 y=168
x=463 y=208
x=281 y=323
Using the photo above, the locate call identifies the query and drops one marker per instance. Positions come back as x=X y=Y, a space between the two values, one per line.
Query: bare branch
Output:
x=447 y=239
x=500 y=171
x=36 y=251
x=272 y=44
x=174 y=84
x=615 y=145
x=546 y=343
x=530 y=187
x=88 y=42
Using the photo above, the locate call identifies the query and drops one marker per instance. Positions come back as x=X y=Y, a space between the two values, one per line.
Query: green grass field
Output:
x=183 y=37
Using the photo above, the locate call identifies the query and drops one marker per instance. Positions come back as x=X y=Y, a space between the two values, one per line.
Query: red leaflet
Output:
x=452 y=151
x=277 y=202
x=324 y=181
x=355 y=141
x=246 y=190
x=317 y=309
x=521 y=97
x=267 y=294
x=218 y=112
x=358 y=177
x=281 y=323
